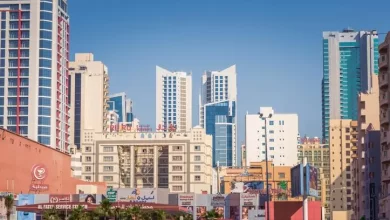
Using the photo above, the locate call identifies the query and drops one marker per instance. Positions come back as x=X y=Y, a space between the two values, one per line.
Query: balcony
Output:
x=385 y=176
x=385 y=156
x=354 y=147
x=354 y=155
x=384 y=117
x=383 y=62
x=383 y=80
x=383 y=47
x=383 y=137
x=384 y=99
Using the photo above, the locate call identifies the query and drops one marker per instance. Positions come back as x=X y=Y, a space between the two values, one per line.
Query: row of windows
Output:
x=13 y=101
x=44 y=15
x=46 y=25
x=16 y=7
x=43 y=34
x=44 y=140
x=46 y=6
x=45 y=63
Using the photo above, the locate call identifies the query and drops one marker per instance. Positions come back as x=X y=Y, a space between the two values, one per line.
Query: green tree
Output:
x=159 y=215
x=51 y=214
x=137 y=214
x=78 y=214
x=212 y=214
x=9 y=205
x=105 y=210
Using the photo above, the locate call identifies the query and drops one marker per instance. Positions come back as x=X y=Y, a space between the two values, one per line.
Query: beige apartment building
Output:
x=384 y=100
x=88 y=96
x=368 y=113
x=180 y=161
x=343 y=149
x=318 y=154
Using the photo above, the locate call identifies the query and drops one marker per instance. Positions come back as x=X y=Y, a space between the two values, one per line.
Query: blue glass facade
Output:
x=169 y=101
x=117 y=104
x=220 y=119
x=45 y=70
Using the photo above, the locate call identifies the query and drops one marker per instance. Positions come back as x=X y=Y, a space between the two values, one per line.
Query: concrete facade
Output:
x=88 y=97
x=384 y=100
x=342 y=145
x=282 y=135
x=179 y=161
x=318 y=154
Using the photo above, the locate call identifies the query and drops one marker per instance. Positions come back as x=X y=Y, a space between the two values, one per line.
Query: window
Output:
x=177 y=178
x=177 y=158
x=177 y=188
x=176 y=148
x=197 y=178
x=197 y=158
x=45 y=44
x=269 y=175
x=271 y=122
x=108 y=158
x=88 y=178
x=271 y=148
x=108 y=149
x=197 y=168
x=197 y=148
x=88 y=159
x=108 y=178
x=271 y=140
x=108 y=168
x=282 y=175
x=46 y=15
x=87 y=149
x=177 y=168
x=271 y=131
x=88 y=168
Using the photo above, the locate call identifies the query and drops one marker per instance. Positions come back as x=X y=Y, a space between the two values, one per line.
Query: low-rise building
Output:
x=139 y=158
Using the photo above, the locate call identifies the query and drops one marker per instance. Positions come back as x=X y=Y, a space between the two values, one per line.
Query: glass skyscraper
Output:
x=217 y=114
x=122 y=106
x=349 y=60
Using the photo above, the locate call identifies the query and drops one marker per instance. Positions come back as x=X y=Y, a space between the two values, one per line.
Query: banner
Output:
x=138 y=195
x=186 y=199
x=218 y=200
x=312 y=174
x=248 y=199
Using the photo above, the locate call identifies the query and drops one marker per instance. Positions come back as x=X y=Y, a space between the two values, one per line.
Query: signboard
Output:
x=186 y=199
x=139 y=195
x=59 y=198
x=39 y=173
x=141 y=128
x=218 y=200
x=312 y=174
x=111 y=195
x=297 y=181
x=248 y=199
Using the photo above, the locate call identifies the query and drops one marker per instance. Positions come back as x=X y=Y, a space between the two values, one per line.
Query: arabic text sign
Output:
x=248 y=199
x=186 y=199
x=59 y=198
x=218 y=200
x=139 y=195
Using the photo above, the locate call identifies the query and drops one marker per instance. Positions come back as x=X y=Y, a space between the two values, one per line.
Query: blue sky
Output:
x=276 y=47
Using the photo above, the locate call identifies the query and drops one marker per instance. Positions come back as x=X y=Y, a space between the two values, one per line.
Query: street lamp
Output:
x=262 y=116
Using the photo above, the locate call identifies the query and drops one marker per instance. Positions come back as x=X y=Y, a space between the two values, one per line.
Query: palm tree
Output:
x=9 y=205
x=159 y=215
x=105 y=209
x=51 y=214
x=212 y=214
x=77 y=213
x=127 y=214
x=136 y=213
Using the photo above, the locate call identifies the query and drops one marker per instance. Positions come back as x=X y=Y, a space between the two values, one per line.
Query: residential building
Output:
x=180 y=161
x=34 y=70
x=318 y=155
x=368 y=113
x=372 y=175
x=350 y=58
x=122 y=106
x=279 y=134
x=88 y=96
x=342 y=145
x=254 y=176
x=384 y=100
x=217 y=114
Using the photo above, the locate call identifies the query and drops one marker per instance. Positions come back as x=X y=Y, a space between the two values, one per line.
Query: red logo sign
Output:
x=39 y=172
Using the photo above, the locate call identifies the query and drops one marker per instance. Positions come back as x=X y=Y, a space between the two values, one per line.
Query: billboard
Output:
x=246 y=187
x=25 y=199
x=186 y=199
x=218 y=200
x=297 y=181
x=148 y=195
x=312 y=174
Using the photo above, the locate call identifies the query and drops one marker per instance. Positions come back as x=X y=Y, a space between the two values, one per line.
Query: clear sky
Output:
x=276 y=47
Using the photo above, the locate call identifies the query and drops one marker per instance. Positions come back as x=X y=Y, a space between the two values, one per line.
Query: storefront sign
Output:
x=248 y=199
x=186 y=199
x=111 y=194
x=141 y=128
x=62 y=206
x=39 y=173
x=139 y=195
x=59 y=198
x=218 y=200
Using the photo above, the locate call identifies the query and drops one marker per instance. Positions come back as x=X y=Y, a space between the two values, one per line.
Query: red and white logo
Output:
x=39 y=172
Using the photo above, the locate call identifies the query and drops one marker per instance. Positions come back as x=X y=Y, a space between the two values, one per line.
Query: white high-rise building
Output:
x=89 y=97
x=173 y=100
x=281 y=132
x=34 y=54
x=217 y=113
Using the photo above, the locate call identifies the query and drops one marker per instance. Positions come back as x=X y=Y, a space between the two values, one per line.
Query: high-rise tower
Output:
x=173 y=100
x=350 y=58
x=217 y=113
x=34 y=54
